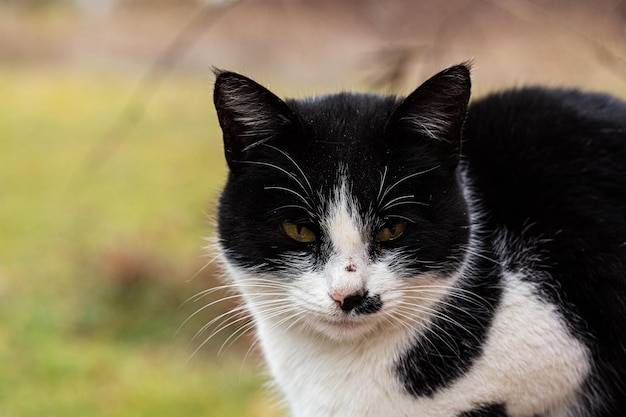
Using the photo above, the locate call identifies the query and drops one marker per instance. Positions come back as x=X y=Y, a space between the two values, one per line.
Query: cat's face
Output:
x=344 y=212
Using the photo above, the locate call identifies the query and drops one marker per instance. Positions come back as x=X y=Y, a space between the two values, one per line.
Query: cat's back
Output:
x=550 y=155
x=548 y=171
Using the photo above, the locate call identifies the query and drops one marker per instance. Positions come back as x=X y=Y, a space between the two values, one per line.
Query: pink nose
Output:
x=350 y=301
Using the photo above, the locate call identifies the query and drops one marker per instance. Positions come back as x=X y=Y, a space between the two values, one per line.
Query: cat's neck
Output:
x=304 y=361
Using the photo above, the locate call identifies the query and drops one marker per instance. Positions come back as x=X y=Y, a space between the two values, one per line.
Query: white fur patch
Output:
x=347 y=270
x=530 y=362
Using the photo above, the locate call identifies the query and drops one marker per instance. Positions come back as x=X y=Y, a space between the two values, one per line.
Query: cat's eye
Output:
x=298 y=232
x=391 y=231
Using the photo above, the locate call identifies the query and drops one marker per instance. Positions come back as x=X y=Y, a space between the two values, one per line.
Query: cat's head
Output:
x=345 y=211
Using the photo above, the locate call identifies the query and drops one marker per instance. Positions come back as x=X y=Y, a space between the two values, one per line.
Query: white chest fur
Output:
x=530 y=363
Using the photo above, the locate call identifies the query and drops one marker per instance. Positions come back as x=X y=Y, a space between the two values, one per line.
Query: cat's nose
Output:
x=351 y=301
x=360 y=303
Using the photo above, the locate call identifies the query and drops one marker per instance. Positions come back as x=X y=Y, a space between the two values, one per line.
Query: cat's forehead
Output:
x=341 y=133
x=346 y=116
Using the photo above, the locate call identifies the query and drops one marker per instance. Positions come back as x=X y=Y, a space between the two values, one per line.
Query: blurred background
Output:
x=111 y=164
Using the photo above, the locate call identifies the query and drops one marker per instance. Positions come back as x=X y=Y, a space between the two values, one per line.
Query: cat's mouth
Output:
x=348 y=324
x=359 y=320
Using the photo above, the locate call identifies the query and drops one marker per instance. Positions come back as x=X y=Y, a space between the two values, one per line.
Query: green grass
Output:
x=100 y=239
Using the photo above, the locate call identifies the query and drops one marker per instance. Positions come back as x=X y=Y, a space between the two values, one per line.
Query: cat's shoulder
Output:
x=550 y=156
x=535 y=126
x=536 y=116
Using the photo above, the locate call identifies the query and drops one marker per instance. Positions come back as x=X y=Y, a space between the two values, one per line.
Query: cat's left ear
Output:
x=435 y=111
x=249 y=114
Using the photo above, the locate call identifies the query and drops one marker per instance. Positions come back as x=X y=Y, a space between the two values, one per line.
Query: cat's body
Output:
x=402 y=259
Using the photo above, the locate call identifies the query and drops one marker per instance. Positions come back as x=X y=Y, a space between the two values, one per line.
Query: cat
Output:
x=423 y=256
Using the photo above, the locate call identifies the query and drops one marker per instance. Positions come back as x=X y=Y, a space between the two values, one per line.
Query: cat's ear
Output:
x=436 y=111
x=248 y=113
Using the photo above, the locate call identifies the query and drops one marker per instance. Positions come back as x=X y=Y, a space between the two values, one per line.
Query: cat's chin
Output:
x=346 y=328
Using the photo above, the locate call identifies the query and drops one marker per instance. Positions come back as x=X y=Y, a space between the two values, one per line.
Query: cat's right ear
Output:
x=248 y=113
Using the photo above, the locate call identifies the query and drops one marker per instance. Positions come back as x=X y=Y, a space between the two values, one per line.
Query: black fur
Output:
x=491 y=410
x=546 y=167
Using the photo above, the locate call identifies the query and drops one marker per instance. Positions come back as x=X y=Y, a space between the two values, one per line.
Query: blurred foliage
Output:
x=96 y=264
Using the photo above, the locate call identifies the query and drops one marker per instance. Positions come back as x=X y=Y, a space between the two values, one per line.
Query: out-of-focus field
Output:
x=97 y=257
x=111 y=164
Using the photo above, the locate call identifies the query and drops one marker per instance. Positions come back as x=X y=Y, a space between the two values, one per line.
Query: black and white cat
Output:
x=416 y=257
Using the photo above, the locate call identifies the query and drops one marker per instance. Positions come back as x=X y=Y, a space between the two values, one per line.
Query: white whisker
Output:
x=296 y=206
x=400 y=203
x=409 y=314
x=460 y=293
x=306 y=190
x=434 y=313
x=403 y=179
x=383 y=178
x=289 y=190
x=206 y=306
x=310 y=189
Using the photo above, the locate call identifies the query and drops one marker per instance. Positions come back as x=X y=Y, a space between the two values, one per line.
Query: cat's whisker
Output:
x=430 y=321
x=264 y=291
x=296 y=206
x=210 y=262
x=253 y=345
x=262 y=280
x=389 y=206
x=478 y=254
x=284 y=171
x=227 y=316
x=433 y=313
x=250 y=323
x=408 y=313
x=289 y=190
x=420 y=295
x=222 y=319
x=295 y=164
x=398 y=216
x=235 y=336
x=228 y=324
x=240 y=316
x=220 y=300
x=392 y=319
x=435 y=301
x=257 y=283
x=403 y=179
x=383 y=178
x=207 y=306
x=236 y=312
x=260 y=287
x=297 y=315
x=243 y=326
x=205 y=293
x=452 y=291
x=403 y=298
x=398 y=201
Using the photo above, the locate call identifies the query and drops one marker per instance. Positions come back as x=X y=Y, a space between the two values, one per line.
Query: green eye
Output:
x=391 y=231
x=298 y=232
